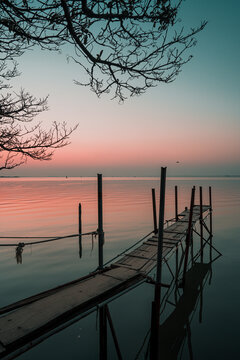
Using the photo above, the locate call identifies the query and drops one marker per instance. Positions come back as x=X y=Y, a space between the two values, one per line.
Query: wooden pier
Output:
x=25 y=323
x=26 y=320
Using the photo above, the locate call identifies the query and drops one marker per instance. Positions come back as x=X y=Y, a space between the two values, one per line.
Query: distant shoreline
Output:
x=119 y=177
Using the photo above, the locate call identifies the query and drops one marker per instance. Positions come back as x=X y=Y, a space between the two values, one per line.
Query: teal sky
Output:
x=194 y=120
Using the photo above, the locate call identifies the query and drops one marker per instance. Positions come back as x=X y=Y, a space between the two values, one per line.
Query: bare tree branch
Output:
x=20 y=139
x=124 y=46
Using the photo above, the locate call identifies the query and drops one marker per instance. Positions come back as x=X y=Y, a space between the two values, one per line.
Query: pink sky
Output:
x=194 y=120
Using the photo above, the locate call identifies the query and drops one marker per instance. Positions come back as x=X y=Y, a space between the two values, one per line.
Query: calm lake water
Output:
x=49 y=207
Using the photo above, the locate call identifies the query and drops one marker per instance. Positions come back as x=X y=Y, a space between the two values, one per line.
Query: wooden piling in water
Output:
x=80 y=229
x=210 y=204
x=201 y=224
x=161 y=224
x=154 y=347
x=188 y=237
x=154 y=212
x=100 y=223
x=176 y=203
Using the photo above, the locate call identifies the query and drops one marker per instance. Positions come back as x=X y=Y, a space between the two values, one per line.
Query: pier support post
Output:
x=154 y=212
x=210 y=205
x=201 y=223
x=176 y=203
x=188 y=237
x=154 y=346
x=161 y=224
x=80 y=228
x=100 y=223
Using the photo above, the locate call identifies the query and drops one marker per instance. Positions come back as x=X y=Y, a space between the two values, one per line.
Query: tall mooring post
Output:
x=201 y=222
x=176 y=203
x=210 y=205
x=154 y=212
x=189 y=233
x=80 y=228
x=154 y=344
x=161 y=224
x=100 y=223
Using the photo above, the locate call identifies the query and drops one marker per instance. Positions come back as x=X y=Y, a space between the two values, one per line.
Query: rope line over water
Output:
x=22 y=244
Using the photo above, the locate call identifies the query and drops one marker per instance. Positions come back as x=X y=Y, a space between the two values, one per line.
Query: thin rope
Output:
x=42 y=241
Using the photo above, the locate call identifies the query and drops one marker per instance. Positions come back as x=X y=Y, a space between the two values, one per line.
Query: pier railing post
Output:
x=154 y=347
x=100 y=223
x=154 y=211
x=176 y=203
x=201 y=223
x=80 y=228
x=210 y=205
x=188 y=237
x=161 y=224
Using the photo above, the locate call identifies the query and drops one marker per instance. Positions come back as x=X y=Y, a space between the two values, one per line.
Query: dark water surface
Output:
x=49 y=207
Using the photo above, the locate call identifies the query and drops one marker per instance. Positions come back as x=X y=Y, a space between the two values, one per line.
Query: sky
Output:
x=191 y=125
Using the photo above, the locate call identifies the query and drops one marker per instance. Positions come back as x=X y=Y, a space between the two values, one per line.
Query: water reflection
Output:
x=164 y=342
x=34 y=212
x=176 y=328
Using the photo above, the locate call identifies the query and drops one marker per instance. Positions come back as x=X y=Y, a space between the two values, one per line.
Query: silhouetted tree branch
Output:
x=19 y=140
x=124 y=46
x=20 y=137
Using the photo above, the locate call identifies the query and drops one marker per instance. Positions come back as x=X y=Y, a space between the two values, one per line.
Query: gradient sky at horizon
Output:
x=193 y=121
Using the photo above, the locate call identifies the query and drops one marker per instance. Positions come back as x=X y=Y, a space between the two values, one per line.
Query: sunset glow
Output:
x=191 y=125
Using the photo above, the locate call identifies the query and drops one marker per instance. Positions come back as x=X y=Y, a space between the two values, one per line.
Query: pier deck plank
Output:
x=27 y=321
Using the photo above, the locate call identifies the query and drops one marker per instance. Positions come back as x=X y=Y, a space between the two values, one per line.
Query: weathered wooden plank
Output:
x=27 y=319
x=153 y=257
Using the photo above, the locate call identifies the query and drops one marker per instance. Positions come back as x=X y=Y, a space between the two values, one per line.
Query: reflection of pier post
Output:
x=100 y=223
x=113 y=334
x=192 y=250
x=189 y=340
x=201 y=302
x=104 y=317
x=154 y=346
x=102 y=333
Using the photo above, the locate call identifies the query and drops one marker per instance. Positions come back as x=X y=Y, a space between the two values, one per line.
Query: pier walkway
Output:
x=28 y=319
